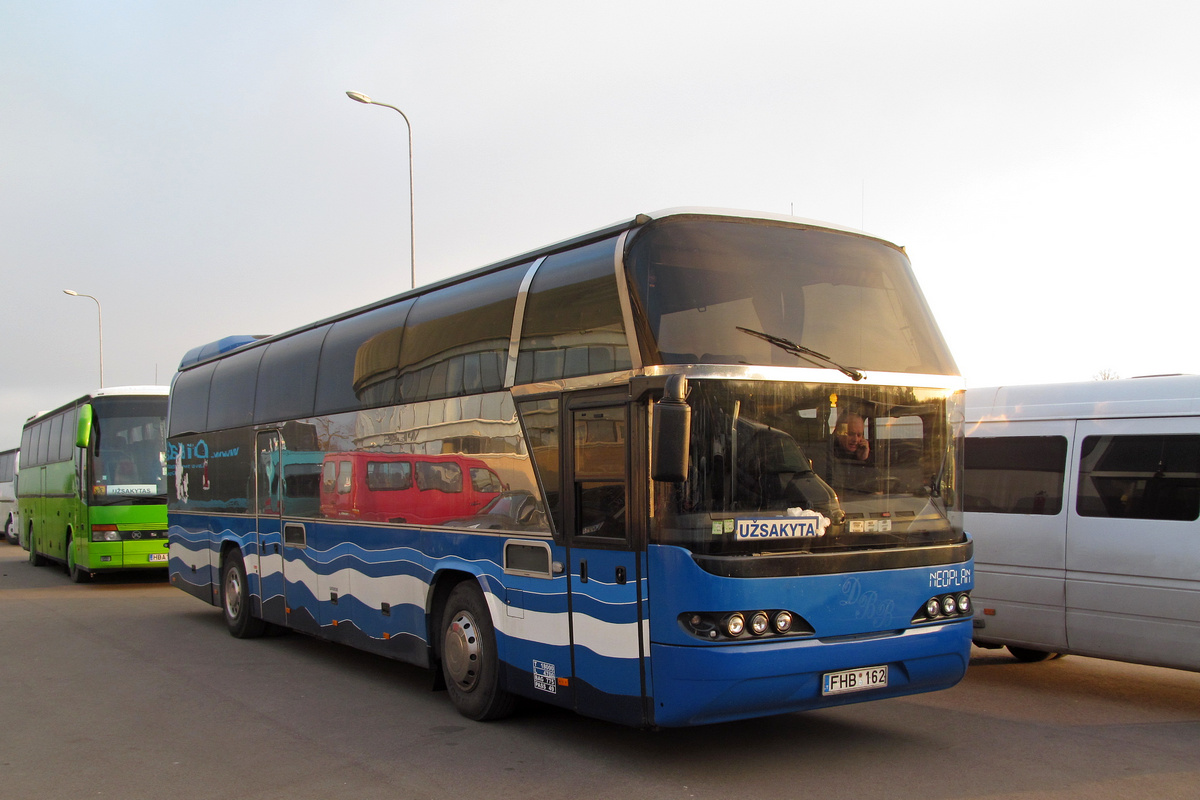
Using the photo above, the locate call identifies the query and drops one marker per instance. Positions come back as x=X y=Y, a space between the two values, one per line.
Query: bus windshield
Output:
x=850 y=298
x=128 y=466
x=861 y=467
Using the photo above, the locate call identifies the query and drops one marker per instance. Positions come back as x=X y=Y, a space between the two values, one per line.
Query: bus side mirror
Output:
x=671 y=421
x=83 y=430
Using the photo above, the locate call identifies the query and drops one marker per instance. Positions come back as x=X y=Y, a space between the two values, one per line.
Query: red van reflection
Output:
x=421 y=490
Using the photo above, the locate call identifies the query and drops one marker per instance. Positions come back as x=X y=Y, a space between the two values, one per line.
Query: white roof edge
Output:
x=143 y=389
x=747 y=214
x=1173 y=395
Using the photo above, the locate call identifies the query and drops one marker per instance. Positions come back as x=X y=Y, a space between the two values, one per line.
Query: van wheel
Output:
x=77 y=573
x=235 y=599
x=1030 y=656
x=469 y=663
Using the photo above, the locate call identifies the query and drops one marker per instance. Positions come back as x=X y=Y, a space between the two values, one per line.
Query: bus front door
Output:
x=605 y=587
x=270 y=559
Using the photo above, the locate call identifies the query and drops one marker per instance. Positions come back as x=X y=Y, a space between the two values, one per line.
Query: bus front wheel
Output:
x=469 y=663
x=235 y=599
x=77 y=573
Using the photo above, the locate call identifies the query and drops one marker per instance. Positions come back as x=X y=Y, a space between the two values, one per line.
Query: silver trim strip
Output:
x=806 y=375
x=514 y=338
x=635 y=352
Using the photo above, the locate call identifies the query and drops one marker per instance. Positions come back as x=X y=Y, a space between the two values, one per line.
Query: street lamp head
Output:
x=68 y=291
x=359 y=97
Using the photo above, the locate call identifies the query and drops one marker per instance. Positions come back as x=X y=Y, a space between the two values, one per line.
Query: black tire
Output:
x=235 y=599
x=10 y=531
x=35 y=558
x=1030 y=656
x=78 y=574
x=468 y=652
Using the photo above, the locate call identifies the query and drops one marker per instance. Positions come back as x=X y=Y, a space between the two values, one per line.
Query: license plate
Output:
x=855 y=680
x=158 y=556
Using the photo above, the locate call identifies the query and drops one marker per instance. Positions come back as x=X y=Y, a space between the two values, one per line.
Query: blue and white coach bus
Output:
x=720 y=457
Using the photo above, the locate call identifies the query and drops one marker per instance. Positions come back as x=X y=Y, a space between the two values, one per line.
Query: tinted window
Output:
x=600 y=472
x=849 y=297
x=573 y=323
x=189 y=400
x=7 y=466
x=27 y=449
x=439 y=477
x=287 y=377
x=484 y=480
x=389 y=476
x=43 y=439
x=1014 y=474
x=53 y=441
x=231 y=398
x=66 y=443
x=1140 y=477
x=456 y=341
x=542 y=426
x=360 y=359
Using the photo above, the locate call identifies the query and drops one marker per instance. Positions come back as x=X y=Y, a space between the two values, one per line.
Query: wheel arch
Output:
x=443 y=583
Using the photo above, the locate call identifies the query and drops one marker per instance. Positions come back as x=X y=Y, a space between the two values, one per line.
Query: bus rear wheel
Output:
x=35 y=558
x=469 y=663
x=235 y=599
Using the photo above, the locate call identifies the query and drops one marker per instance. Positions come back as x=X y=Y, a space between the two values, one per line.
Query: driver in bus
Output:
x=852 y=466
x=851 y=443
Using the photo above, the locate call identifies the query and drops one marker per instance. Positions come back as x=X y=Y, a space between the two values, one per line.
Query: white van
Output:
x=1083 y=500
x=8 y=495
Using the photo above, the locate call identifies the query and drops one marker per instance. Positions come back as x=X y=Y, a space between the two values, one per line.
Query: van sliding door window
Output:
x=1140 y=477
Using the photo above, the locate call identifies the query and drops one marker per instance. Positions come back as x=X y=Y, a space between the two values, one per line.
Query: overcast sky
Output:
x=199 y=169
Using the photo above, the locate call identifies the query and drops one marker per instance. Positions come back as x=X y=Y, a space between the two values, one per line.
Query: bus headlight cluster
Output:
x=105 y=533
x=945 y=606
x=744 y=624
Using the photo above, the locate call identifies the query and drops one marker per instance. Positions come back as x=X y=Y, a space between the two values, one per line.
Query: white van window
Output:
x=1014 y=474
x=1140 y=477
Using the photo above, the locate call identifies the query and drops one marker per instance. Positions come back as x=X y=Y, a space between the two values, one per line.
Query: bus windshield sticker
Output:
x=806 y=526
x=128 y=490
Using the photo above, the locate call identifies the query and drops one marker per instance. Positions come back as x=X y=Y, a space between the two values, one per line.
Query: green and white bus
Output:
x=92 y=486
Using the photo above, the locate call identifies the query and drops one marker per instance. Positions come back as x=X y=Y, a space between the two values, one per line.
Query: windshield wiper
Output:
x=788 y=346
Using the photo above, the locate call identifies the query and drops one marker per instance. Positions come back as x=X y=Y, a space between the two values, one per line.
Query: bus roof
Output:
x=207 y=352
x=110 y=391
x=1173 y=395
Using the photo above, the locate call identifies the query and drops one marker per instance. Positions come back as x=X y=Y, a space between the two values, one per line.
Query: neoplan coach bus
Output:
x=1084 y=500
x=729 y=447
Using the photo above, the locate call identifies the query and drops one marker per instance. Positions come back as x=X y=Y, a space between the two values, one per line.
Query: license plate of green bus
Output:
x=158 y=556
x=854 y=680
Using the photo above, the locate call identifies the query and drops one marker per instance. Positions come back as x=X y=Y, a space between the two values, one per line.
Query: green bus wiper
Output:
x=808 y=354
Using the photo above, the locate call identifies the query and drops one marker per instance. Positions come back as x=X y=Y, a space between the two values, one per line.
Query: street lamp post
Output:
x=412 y=248
x=100 y=316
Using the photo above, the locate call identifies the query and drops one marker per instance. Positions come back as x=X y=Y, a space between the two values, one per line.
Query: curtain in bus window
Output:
x=1014 y=474
x=1140 y=477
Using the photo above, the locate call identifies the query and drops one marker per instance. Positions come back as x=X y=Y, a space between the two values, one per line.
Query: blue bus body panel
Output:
x=336 y=587
x=860 y=619
x=374 y=592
